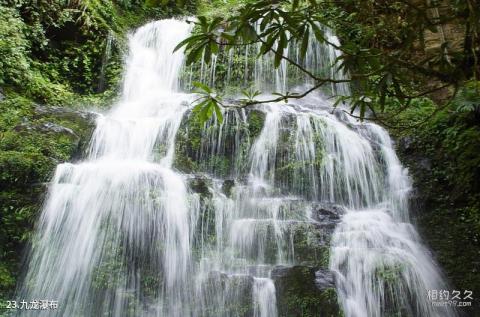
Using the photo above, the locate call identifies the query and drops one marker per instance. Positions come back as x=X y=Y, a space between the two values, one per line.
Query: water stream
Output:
x=122 y=232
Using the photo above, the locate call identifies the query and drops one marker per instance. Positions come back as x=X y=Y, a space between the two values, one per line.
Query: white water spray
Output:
x=123 y=209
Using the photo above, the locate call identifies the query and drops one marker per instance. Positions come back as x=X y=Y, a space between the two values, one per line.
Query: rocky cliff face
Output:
x=444 y=163
x=216 y=158
x=447 y=37
x=33 y=140
x=448 y=32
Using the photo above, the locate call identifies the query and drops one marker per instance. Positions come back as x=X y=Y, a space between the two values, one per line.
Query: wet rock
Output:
x=299 y=295
x=328 y=215
x=200 y=185
x=425 y=164
x=227 y=295
x=219 y=150
x=324 y=279
x=52 y=134
x=301 y=242
x=340 y=114
x=255 y=120
x=78 y=125
x=217 y=278
x=227 y=187
x=311 y=244
x=49 y=126
x=63 y=112
x=406 y=144
x=45 y=127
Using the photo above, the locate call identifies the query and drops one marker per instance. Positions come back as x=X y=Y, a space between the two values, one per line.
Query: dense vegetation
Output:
x=389 y=49
x=405 y=74
x=443 y=157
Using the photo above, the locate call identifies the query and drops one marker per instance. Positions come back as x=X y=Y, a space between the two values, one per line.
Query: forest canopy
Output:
x=395 y=52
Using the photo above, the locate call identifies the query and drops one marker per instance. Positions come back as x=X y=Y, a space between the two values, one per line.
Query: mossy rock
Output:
x=219 y=150
x=187 y=143
x=311 y=244
x=302 y=242
x=255 y=121
x=294 y=176
x=235 y=295
x=298 y=294
x=33 y=140
x=200 y=185
x=227 y=187
x=443 y=159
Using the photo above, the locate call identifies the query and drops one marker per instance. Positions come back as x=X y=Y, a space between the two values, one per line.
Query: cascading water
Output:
x=125 y=233
x=122 y=213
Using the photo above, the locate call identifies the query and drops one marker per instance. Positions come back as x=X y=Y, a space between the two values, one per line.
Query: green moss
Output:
x=292 y=175
x=20 y=169
x=220 y=8
x=201 y=186
x=227 y=187
x=107 y=273
x=310 y=245
x=255 y=120
x=13 y=47
x=187 y=144
x=236 y=291
x=444 y=159
x=297 y=295
x=33 y=140
x=18 y=209
x=6 y=277
x=218 y=164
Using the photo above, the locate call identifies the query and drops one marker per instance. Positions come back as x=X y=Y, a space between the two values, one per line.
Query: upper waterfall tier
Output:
x=152 y=68
x=238 y=68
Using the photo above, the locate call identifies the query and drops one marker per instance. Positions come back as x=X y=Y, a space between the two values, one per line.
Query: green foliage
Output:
x=256 y=120
x=383 y=45
x=297 y=295
x=207 y=104
x=13 y=48
x=389 y=274
x=50 y=51
x=221 y=165
x=468 y=98
x=277 y=25
x=187 y=144
x=250 y=94
x=220 y=8
x=33 y=140
x=443 y=157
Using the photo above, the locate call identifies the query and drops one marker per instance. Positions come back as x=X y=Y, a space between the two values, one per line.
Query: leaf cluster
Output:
x=383 y=45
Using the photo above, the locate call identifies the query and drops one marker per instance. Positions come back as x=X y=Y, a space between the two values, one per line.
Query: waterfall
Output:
x=130 y=231
x=123 y=208
x=258 y=71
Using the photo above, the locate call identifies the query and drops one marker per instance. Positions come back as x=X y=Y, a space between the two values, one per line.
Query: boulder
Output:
x=303 y=293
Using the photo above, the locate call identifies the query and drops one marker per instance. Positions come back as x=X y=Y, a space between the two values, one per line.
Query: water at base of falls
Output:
x=123 y=233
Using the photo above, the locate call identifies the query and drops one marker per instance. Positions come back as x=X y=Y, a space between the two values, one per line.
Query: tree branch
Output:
x=279 y=99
